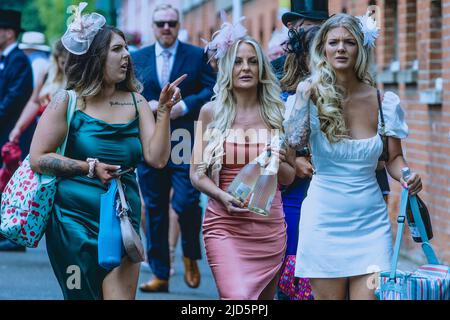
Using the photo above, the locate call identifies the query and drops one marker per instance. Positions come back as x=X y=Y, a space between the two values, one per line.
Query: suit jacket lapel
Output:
x=9 y=56
x=180 y=58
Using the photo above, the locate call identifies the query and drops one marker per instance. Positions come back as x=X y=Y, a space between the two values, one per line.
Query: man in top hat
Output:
x=304 y=14
x=16 y=84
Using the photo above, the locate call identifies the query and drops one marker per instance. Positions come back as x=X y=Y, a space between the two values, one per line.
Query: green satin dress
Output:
x=72 y=233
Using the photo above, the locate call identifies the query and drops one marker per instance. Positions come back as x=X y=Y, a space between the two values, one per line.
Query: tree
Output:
x=53 y=12
x=30 y=18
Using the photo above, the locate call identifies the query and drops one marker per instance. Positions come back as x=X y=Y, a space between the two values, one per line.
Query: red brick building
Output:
x=203 y=19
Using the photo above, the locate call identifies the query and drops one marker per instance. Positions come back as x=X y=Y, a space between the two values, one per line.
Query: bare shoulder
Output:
x=139 y=98
x=368 y=91
x=141 y=102
x=207 y=111
x=59 y=99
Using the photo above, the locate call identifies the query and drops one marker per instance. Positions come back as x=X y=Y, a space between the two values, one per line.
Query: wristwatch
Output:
x=91 y=162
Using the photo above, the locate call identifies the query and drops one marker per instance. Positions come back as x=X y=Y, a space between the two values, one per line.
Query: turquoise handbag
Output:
x=110 y=249
x=428 y=282
x=116 y=234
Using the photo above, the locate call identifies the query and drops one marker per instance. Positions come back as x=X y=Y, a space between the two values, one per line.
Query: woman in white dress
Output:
x=344 y=232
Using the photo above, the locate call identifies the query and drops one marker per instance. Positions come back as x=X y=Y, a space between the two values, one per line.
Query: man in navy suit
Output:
x=16 y=85
x=156 y=65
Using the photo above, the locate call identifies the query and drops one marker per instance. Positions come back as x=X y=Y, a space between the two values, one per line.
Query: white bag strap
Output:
x=123 y=201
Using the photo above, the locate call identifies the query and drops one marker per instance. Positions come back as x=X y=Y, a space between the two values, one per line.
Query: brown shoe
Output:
x=191 y=273
x=155 y=285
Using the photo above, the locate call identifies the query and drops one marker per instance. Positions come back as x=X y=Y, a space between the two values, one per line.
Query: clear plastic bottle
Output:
x=265 y=189
x=244 y=182
x=267 y=184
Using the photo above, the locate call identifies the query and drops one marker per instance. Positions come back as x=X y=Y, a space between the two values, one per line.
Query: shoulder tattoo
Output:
x=59 y=98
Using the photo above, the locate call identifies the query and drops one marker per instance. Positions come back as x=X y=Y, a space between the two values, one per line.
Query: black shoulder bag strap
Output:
x=385 y=154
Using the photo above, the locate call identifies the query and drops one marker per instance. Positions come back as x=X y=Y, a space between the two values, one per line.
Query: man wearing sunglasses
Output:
x=156 y=65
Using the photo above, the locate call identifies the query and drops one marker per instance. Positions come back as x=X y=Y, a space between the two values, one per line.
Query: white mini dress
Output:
x=344 y=227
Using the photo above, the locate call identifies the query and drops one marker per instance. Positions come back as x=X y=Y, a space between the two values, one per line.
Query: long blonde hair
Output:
x=56 y=78
x=271 y=111
x=328 y=95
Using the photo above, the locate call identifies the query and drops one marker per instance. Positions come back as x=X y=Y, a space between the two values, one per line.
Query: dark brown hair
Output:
x=85 y=73
x=296 y=65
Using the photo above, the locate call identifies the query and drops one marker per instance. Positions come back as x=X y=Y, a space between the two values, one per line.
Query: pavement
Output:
x=28 y=276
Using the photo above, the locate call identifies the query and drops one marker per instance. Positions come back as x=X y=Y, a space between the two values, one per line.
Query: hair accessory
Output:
x=81 y=30
x=224 y=38
x=369 y=28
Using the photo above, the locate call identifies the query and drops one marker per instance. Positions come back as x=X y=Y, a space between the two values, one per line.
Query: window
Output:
x=435 y=40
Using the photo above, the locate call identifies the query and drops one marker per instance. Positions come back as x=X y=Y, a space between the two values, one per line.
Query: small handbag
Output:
x=27 y=199
x=428 y=282
x=293 y=287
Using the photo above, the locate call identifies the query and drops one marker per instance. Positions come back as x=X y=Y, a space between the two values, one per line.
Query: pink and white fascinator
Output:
x=224 y=38
x=81 y=29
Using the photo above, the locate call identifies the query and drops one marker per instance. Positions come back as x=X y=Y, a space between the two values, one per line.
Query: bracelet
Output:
x=91 y=162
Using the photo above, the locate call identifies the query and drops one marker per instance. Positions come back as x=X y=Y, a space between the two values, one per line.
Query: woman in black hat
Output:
x=303 y=14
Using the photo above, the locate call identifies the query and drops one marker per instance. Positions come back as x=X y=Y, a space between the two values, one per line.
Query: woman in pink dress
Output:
x=245 y=251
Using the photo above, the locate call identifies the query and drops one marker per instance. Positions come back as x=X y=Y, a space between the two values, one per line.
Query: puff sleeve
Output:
x=394 y=117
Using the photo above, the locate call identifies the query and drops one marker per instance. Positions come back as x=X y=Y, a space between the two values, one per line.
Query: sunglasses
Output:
x=161 y=24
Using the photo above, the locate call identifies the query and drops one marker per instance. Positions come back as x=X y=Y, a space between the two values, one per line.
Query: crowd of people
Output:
x=327 y=225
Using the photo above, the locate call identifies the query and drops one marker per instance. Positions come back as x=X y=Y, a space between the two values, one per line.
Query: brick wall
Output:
x=423 y=34
x=261 y=20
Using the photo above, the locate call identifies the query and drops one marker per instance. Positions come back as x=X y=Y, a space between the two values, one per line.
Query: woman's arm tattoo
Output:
x=58 y=99
x=60 y=168
x=297 y=127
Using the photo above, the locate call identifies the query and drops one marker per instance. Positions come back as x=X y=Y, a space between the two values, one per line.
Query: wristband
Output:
x=91 y=162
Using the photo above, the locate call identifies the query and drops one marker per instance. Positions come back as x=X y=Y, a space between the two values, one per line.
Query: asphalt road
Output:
x=28 y=276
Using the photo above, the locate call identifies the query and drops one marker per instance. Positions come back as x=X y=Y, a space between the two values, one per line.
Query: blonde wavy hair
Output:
x=271 y=111
x=56 y=78
x=328 y=95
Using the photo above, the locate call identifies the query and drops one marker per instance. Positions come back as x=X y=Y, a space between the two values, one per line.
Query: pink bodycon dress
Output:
x=245 y=251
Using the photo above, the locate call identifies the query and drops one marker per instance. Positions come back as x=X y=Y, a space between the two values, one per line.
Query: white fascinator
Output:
x=224 y=38
x=81 y=29
x=369 y=28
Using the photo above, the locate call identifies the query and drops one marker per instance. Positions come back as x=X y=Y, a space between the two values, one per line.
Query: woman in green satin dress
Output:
x=113 y=124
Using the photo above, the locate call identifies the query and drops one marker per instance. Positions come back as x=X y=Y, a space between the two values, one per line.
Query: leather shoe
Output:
x=155 y=285
x=6 y=245
x=191 y=273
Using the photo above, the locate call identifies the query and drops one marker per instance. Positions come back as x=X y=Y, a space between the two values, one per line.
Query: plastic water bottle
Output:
x=110 y=246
